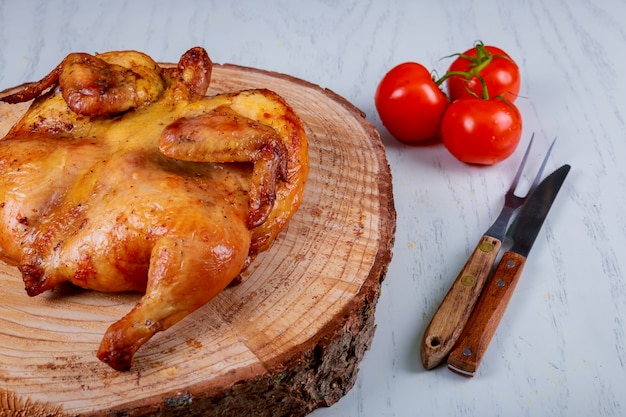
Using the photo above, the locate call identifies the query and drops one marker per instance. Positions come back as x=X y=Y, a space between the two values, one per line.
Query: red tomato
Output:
x=409 y=103
x=498 y=70
x=481 y=131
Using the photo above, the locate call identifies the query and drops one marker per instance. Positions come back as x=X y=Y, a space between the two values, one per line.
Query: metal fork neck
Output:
x=498 y=228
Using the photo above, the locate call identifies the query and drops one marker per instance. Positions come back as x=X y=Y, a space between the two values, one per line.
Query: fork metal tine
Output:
x=518 y=174
x=540 y=172
x=512 y=201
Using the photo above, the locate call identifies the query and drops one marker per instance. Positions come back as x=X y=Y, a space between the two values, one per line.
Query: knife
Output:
x=451 y=316
x=466 y=356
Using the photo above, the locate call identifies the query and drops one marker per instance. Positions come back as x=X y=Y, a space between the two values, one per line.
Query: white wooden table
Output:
x=561 y=347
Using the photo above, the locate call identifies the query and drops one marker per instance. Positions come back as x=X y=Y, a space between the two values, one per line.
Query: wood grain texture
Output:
x=285 y=341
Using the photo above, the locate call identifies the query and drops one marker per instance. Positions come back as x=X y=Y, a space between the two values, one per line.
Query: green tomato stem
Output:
x=482 y=59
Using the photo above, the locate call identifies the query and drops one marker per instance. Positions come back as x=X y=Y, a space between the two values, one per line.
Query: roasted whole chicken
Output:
x=123 y=176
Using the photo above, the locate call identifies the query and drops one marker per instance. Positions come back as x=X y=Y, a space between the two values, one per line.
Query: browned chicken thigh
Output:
x=123 y=176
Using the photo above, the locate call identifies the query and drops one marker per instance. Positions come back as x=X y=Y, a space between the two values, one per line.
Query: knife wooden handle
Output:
x=483 y=322
x=450 y=318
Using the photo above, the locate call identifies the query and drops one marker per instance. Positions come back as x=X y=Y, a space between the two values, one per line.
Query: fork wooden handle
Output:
x=452 y=315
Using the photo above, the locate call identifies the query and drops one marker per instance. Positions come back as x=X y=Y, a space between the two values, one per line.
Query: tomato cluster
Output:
x=477 y=120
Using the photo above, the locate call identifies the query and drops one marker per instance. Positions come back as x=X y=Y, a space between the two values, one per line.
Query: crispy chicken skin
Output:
x=124 y=176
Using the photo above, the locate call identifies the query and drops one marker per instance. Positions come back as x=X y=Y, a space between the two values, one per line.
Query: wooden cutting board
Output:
x=285 y=341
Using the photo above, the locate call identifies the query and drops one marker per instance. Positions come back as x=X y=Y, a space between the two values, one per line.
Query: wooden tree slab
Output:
x=285 y=341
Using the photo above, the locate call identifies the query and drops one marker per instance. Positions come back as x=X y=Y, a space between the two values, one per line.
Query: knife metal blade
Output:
x=467 y=355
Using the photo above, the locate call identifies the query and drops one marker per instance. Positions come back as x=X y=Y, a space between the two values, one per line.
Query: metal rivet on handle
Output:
x=467 y=352
x=486 y=247
x=468 y=280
